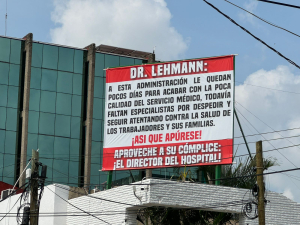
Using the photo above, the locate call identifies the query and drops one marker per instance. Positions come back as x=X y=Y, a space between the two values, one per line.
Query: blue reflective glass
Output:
x=138 y=61
x=99 y=65
x=63 y=126
x=64 y=104
x=98 y=108
x=47 y=101
x=49 y=80
x=2 y=117
x=32 y=142
x=5 y=49
x=65 y=59
x=35 y=79
x=73 y=173
x=4 y=71
x=61 y=147
x=13 y=96
x=46 y=125
x=76 y=105
x=112 y=61
x=11 y=119
x=77 y=84
x=60 y=174
x=34 y=101
x=3 y=94
x=125 y=61
x=10 y=142
x=2 y=141
x=14 y=75
x=15 y=51
x=33 y=122
x=50 y=57
x=78 y=61
x=64 y=82
x=74 y=149
x=37 y=55
x=75 y=127
x=98 y=88
x=97 y=130
x=46 y=145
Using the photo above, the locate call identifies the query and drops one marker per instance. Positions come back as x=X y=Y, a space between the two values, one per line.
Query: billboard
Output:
x=169 y=114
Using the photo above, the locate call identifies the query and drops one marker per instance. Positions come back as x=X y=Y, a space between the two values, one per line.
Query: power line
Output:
x=272 y=24
x=279 y=3
x=244 y=29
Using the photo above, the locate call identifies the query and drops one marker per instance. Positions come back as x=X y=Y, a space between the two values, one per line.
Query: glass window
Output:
x=65 y=59
x=97 y=130
x=11 y=119
x=10 y=142
x=138 y=61
x=2 y=117
x=78 y=61
x=3 y=94
x=111 y=61
x=98 y=109
x=2 y=141
x=48 y=101
x=62 y=126
x=76 y=105
x=61 y=147
x=34 y=101
x=47 y=121
x=13 y=95
x=73 y=173
x=37 y=55
x=77 y=84
x=45 y=146
x=8 y=170
x=125 y=61
x=15 y=51
x=32 y=142
x=64 y=82
x=75 y=127
x=74 y=149
x=4 y=71
x=35 y=79
x=60 y=171
x=33 y=123
x=14 y=75
x=98 y=88
x=99 y=65
x=5 y=49
x=49 y=79
x=50 y=57
x=63 y=104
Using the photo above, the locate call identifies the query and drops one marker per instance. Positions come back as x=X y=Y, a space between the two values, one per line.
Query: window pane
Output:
x=75 y=127
x=35 y=79
x=62 y=126
x=124 y=61
x=11 y=119
x=138 y=61
x=46 y=144
x=98 y=88
x=64 y=82
x=111 y=61
x=2 y=141
x=3 y=94
x=49 y=78
x=74 y=149
x=33 y=123
x=99 y=65
x=4 y=71
x=76 y=105
x=32 y=142
x=97 y=130
x=98 y=109
x=78 y=61
x=2 y=118
x=5 y=49
x=13 y=95
x=77 y=84
x=60 y=174
x=63 y=104
x=14 y=75
x=61 y=147
x=48 y=101
x=50 y=57
x=15 y=54
x=37 y=55
x=47 y=121
x=73 y=173
x=34 y=101
x=10 y=142
x=65 y=62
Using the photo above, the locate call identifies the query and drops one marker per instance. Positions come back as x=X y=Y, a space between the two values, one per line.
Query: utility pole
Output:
x=34 y=185
x=260 y=183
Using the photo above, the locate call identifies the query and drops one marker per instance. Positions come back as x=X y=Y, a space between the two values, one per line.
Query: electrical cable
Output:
x=247 y=31
x=279 y=3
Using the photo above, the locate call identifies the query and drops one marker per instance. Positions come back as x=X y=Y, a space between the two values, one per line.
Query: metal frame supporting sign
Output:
x=169 y=114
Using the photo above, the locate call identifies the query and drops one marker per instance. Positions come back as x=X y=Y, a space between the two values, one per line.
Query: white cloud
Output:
x=279 y=110
x=135 y=24
x=250 y=6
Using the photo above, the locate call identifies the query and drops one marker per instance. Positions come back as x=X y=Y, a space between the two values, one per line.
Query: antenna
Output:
x=6 y=19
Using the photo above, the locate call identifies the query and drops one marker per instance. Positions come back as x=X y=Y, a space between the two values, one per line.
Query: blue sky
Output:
x=191 y=29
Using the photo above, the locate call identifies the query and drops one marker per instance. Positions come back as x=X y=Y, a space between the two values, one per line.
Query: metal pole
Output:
x=218 y=174
x=109 y=179
x=34 y=185
x=260 y=183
